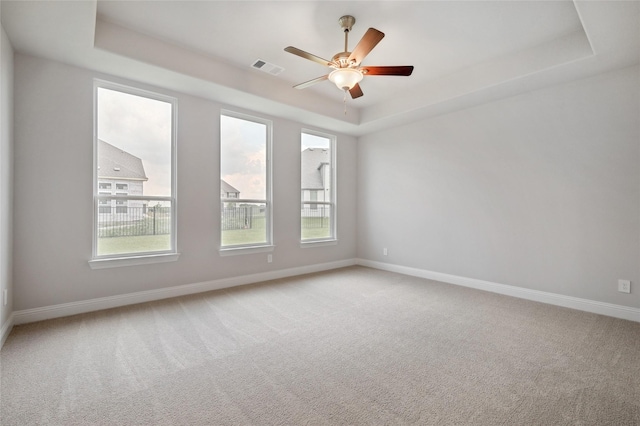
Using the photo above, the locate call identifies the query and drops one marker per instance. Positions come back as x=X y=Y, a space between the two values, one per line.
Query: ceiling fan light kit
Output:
x=347 y=72
x=346 y=78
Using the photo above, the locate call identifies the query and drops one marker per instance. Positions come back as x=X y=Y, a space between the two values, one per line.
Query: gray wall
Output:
x=540 y=191
x=53 y=194
x=6 y=173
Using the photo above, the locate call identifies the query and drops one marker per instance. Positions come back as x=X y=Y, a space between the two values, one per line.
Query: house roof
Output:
x=225 y=187
x=114 y=163
x=312 y=160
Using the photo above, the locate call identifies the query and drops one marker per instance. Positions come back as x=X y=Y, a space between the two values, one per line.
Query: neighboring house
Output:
x=316 y=179
x=119 y=173
x=228 y=191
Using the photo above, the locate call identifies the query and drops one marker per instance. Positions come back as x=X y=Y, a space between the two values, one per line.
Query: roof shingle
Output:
x=312 y=159
x=114 y=163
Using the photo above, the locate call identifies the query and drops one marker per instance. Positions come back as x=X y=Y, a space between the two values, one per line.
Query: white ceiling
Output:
x=464 y=53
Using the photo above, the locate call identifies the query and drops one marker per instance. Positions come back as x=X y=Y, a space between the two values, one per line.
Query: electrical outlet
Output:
x=269 y=258
x=624 y=286
x=384 y=251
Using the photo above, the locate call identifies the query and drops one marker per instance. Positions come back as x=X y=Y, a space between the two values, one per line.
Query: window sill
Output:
x=234 y=251
x=116 y=262
x=318 y=243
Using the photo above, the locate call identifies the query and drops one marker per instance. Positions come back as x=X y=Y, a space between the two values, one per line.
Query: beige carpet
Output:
x=351 y=346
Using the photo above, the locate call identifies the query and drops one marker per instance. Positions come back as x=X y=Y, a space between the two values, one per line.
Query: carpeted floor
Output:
x=350 y=346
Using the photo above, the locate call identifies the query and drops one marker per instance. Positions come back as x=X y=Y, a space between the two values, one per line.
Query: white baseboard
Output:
x=74 y=308
x=5 y=330
x=602 y=308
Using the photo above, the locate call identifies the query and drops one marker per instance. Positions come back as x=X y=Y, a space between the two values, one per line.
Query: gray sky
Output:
x=141 y=127
x=312 y=141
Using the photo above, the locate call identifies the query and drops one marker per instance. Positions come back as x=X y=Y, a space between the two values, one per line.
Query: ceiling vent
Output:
x=267 y=67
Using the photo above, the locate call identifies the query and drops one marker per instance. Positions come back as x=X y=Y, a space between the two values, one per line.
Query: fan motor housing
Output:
x=342 y=59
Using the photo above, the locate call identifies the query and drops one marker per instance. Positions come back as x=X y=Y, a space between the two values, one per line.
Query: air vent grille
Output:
x=267 y=67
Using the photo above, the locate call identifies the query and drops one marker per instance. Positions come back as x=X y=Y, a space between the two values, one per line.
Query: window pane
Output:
x=134 y=158
x=244 y=179
x=135 y=137
x=316 y=187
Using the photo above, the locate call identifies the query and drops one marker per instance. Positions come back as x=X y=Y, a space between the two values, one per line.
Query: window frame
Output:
x=137 y=258
x=332 y=202
x=268 y=245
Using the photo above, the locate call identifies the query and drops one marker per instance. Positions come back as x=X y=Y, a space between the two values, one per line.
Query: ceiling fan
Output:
x=347 y=69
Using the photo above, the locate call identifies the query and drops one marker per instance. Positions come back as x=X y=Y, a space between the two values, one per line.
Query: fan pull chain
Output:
x=345 y=102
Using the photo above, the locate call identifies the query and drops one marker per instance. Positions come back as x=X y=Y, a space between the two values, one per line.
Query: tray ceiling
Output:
x=464 y=53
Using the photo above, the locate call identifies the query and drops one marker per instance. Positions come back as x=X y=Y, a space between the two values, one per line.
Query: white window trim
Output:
x=138 y=258
x=268 y=245
x=318 y=243
x=114 y=262
x=333 y=239
x=236 y=250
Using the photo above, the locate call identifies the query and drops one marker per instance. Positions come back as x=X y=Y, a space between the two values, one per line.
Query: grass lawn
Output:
x=256 y=234
x=313 y=233
x=311 y=230
x=137 y=244
x=232 y=237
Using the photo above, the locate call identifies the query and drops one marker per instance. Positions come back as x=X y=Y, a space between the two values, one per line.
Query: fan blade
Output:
x=356 y=91
x=370 y=39
x=399 y=70
x=308 y=56
x=311 y=82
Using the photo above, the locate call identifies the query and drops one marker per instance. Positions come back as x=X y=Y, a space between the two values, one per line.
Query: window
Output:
x=245 y=181
x=104 y=206
x=121 y=207
x=134 y=152
x=317 y=184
